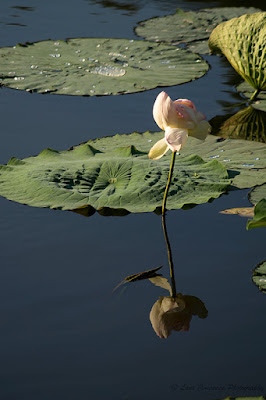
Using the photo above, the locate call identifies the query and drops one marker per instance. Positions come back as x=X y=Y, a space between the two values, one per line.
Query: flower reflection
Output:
x=169 y=313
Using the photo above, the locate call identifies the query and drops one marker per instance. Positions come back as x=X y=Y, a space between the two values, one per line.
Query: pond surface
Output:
x=64 y=334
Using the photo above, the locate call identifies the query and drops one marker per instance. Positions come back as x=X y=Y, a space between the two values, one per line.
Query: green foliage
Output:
x=247 y=91
x=247 y=124
x=259 y=219
x=257 y=193
x=244 y=160
x=259 y=276
x=111 y=173
x=243 y=42
x=93 y=66
x=191 y=27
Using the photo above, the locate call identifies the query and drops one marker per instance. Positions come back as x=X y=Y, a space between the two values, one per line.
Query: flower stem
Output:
x=169 y=251
x=168 y=182
x=255 y=94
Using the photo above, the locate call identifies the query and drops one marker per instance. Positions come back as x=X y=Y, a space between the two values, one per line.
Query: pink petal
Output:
x=165 y=113
x=176 y=138
x=158 y=109
x=187 y=102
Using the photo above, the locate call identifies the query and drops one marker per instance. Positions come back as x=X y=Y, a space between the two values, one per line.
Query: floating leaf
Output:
x=92 y=66
x=247 y=91
x=241 y=211
x=259 y=219
x=243 y=42
x=259 y=276
x=257 y=193
x=248 y=124
x=192 y=27
x=244 y=160
x=101 y=175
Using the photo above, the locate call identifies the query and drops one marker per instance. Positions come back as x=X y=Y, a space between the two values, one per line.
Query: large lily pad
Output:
x=190 y=27
x=248 y=124
x=257 y=193
x=259 y=276
x=247 y=91
x=245 y=160
x=92 y=66
x=243 y=42
x=100 y=174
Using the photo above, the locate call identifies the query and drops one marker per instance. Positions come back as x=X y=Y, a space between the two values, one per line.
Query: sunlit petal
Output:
x=158 y=150
x=158 y=109
x=176 y=138
x=187 y=102
x=164 y=112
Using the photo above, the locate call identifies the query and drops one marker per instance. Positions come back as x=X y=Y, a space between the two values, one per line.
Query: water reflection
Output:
x=134 y=6
x=175 y=313
x=23 y=8
x=248 y=124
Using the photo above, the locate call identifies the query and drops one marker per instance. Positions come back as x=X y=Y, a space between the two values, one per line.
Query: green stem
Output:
x=168 y=182
x=255 y=94
x=169 y=251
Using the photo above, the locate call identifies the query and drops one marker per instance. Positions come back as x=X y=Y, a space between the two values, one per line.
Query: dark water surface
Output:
x=63 y=334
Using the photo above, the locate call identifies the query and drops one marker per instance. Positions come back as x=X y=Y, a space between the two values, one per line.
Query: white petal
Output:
x=158 y=109
x=201 y=130
x=158 y=150
x=176 y=138
x=164 y=112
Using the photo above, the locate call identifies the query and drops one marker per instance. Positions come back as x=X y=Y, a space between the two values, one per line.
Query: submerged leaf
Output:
x=111 y=173
x=93 y=66
x=243 y=42
x=191 y=27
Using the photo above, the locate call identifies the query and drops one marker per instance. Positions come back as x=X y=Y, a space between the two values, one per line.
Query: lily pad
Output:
x=110 y=173
x=244 y=160
x=243 y=42
x=259 y=276
x=93 y=66
x=259 y=219
x=257 y=194
x=247 y=91
x=248 y=124
x=190 y=27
